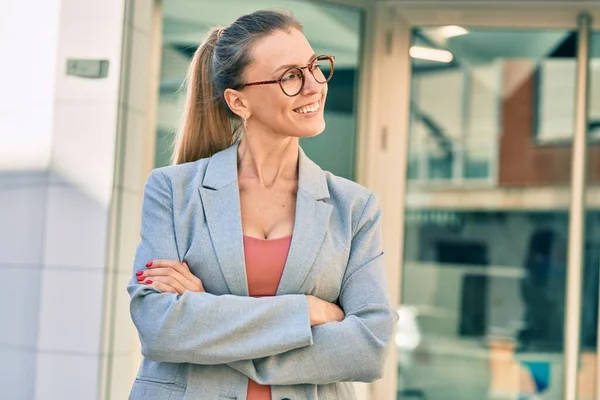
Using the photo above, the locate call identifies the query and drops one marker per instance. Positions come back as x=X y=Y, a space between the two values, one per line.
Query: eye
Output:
x=291 y=76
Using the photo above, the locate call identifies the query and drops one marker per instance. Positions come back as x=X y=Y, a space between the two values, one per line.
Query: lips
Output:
x=309 y=108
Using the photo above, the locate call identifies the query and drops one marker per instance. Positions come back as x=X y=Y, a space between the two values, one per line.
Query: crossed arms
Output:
x=268 y=339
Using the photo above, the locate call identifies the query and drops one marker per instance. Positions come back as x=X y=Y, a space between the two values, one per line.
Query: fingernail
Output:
x=149 y=264
x=149 y=282
x=140 y=279
x=139 y=273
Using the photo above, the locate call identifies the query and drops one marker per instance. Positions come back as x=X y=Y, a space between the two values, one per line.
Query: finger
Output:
x=195 y=279
x=195 y=285
x=189 y=280
x=168 y=281
x=168 y=271
x=165 y=264
x=160 y=286
x=186 y=271
x=176 y=265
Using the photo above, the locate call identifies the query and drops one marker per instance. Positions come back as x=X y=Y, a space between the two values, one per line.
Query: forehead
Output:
x=277 y=49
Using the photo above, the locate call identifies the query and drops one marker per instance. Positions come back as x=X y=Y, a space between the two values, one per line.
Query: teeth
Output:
x=309 y=108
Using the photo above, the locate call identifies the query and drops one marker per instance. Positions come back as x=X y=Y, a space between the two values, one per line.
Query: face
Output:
x=270 y=109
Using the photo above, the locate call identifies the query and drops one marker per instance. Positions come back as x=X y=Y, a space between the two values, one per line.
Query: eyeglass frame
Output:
x=278 y=80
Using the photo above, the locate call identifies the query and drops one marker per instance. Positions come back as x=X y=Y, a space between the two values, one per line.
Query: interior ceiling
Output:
x=485 y=45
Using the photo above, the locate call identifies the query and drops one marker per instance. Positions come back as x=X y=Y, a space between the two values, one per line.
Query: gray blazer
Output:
x=205 y=346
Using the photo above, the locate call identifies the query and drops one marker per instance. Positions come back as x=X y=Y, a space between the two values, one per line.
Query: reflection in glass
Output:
x=486 y=219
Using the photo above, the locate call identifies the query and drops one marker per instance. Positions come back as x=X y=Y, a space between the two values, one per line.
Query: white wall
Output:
x=72 y=154
x=28 y=37
x=28 y=42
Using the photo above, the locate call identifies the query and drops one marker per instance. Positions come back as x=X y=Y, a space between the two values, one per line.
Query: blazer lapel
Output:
x=310 y=226
x=221 y=202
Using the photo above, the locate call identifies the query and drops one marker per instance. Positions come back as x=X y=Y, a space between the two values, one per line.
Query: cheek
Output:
x=272 y=101
x=274 y=112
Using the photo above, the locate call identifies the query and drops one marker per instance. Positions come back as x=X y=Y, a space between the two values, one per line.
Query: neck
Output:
x=268 y=160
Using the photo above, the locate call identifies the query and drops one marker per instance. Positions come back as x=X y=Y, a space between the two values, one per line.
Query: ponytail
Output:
x=205 y=127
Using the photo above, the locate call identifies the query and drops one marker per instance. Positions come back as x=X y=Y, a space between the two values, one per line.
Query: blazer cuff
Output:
x=304 y=330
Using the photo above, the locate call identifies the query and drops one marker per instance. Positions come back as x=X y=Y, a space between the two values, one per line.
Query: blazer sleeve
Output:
x=202 y=328
x=355 y=348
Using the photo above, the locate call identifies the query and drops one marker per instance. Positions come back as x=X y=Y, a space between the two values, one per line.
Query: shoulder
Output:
x=345 y=189
x=351 y=197
x=182 y=171
x=179 y=177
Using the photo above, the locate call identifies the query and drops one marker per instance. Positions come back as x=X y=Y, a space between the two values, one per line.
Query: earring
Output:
x=245 y=123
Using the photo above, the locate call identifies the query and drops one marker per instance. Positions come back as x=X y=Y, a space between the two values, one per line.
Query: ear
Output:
x=237 y=103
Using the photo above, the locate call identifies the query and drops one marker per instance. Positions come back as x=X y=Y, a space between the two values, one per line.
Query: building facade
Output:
x=475 y=122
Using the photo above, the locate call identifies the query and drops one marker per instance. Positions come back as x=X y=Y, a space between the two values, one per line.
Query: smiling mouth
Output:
x=310 y=108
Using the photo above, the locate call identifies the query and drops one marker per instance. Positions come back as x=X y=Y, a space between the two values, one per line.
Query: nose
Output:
x=311 y=85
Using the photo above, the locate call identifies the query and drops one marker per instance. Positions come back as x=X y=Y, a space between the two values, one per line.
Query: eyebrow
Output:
x=288 y=66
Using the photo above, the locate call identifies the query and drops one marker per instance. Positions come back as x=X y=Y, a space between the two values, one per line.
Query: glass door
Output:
x=489 y=228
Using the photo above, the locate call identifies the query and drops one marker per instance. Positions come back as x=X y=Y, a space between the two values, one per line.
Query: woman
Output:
x=255 y=267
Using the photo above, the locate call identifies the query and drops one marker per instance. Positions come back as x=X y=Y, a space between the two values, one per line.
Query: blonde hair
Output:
x=208 y=125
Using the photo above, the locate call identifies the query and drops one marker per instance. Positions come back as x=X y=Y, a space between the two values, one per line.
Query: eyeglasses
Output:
x=293 y=79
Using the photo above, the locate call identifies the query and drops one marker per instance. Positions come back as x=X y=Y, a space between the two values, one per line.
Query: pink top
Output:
x=265 y=260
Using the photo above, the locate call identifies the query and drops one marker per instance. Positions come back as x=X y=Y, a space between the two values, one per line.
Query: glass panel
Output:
x=332 y=30
x=557 y=95
x=482 y=113
x=479 y=156
x=555 y=114
x=440 y=159
x=418 y=136
x=485 y=259
x=439 y=118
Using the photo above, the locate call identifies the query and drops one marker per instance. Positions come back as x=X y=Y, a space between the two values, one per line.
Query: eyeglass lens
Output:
x=293 y=79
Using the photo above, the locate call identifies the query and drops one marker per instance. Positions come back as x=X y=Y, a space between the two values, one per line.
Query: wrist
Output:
x=313 y=310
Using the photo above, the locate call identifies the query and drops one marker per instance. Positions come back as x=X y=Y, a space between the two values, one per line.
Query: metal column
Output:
x=577 y=211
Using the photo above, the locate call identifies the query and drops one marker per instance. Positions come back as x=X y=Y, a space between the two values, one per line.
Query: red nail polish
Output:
x=149 y=264
x=139 y=273
x=148 y=281
x=141 y=279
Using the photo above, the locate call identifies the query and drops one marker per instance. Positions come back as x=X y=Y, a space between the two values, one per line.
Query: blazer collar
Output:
x=222 y=171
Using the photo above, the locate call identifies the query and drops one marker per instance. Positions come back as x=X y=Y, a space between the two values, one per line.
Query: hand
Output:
x=170 y=276
x=322 y=311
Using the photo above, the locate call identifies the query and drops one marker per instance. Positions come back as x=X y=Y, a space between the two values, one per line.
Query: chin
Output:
x=311 y=133
x=314 y=129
